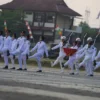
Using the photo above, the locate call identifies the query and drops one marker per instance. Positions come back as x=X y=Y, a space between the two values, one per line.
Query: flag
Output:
x=69 y=51
x=5 y=26
x=29 y=29
x=98 y=15
x=58 y=30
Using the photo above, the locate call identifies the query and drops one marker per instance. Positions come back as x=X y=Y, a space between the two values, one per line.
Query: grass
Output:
x=45 y=63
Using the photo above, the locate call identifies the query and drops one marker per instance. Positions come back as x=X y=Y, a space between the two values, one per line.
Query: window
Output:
x=28 y=13
x=38 y=33
x=50 y=17
x=48 y=33
x=39 y=17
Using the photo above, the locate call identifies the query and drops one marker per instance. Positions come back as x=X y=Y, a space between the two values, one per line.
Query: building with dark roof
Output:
x=44 y=15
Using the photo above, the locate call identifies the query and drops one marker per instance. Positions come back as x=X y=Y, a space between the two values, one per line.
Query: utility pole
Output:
x=87 y=15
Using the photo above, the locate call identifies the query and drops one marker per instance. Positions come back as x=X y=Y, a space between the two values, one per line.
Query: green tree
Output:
x=91 y=32
x=14 y=19
x=87 y=29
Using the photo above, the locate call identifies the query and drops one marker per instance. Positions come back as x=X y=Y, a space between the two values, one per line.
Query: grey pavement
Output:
x=21 y=96
x=50 y=83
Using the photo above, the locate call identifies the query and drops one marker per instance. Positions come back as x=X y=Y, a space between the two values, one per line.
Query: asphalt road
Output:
x=49 y=85
x=21 y=96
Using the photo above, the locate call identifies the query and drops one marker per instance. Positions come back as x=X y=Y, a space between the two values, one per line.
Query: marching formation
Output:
x=79 y=55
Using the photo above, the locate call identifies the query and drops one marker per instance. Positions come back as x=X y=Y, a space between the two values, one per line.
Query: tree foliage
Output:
x=87 y=29
x=14 y=19
x=91 y=32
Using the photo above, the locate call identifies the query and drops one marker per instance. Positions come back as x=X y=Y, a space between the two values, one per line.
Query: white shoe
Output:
x=51 y=64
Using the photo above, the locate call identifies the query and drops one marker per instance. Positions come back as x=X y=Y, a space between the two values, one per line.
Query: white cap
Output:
x=78 y=39
x=89 y=39
x=63 y=38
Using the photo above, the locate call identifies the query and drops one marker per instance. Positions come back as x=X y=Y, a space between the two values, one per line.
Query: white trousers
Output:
x=97 y=65
x=88 y=63
x=59 y=60
x=70 y=63
x=20 y=60
x=38 y=57
x=0 y=49
x=18 y=53
x=77 y=61
x=4 y=51
x=12 y=60
x=24 y=61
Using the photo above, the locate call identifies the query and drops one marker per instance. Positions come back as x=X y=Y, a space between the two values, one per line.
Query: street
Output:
x=49 y=85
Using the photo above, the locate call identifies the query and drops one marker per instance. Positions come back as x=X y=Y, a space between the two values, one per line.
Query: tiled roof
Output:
x=41 y=5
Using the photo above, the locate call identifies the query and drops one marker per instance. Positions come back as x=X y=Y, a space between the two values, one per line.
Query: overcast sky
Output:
x=80 y=6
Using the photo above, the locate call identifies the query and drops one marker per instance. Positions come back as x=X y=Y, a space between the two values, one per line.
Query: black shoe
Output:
x=20 y=69
x=27 y=57
x=13 y=56
x=25 y=69
x=13 y=68
x=71 y=73
x=94 y=63
x=8 y=54
x=91 y=75
x=0 y=56
x=63 y=65
x=6 y=67
x=39 y=71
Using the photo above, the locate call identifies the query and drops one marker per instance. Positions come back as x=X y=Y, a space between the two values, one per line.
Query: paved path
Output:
x=50 y=83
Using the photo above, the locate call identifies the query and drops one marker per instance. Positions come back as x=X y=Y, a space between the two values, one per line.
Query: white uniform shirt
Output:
x=7 y=42
x=74 y=47
x=60 y=46
x=89 y=52
x=1 y=41
x=14 y=45
x=78 y=54
x=41 y=48
x=78 y=50
x=98 y=56
x=21 y=41
x=26 y=47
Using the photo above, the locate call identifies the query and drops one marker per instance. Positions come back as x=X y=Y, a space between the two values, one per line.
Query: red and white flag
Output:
x=70 y=51
x=29 y=29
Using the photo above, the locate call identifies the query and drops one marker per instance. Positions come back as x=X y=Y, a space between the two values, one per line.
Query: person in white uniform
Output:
x=78 y=55
x=41 y=49
x=13 y=48
x=89 y=52
x=1 y=41
x=25 y=53
x=20 y=49
x=70 y=63
x=97 y=61
x=62 y=54
x=6 y=48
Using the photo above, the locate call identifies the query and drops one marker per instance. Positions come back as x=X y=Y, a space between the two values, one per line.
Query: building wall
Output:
x=45 y=24
x=29 y=17
x=63 y=21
